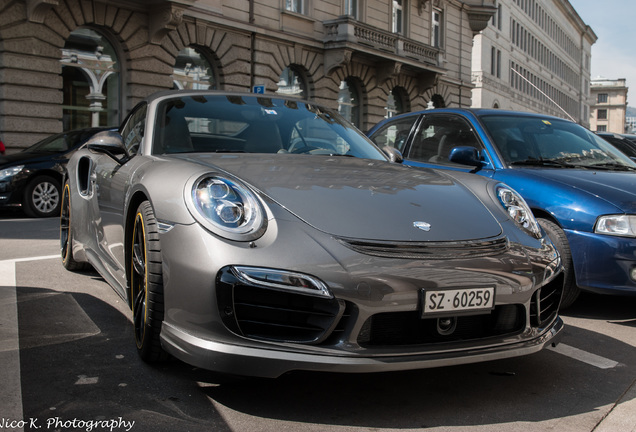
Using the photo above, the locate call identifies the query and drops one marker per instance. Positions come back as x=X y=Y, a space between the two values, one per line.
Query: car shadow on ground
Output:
x=546 y=386
x=616 y=309
x=78 y=360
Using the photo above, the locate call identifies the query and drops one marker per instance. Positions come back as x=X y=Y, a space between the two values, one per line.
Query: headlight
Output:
x=518 y=210
x=283 y=280
x=618 y=225
x=227 y=208
x=10 y=172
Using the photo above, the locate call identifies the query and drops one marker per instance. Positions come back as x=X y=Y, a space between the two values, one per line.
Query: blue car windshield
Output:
x=525 y=140
x=255 y=124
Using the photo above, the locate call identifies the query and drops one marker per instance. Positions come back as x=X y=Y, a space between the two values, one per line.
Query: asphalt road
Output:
x=68 y=363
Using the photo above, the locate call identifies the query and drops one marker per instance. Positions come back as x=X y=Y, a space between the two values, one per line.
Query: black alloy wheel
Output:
x=146 y=284
x=66 y=232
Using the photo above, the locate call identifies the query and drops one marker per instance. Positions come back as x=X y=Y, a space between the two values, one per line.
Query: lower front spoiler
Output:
x=249 y=361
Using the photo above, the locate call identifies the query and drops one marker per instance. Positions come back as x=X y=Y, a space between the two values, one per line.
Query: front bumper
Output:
x=603 y=263
x=11 y=193
x=372 y=322
x=271 y=363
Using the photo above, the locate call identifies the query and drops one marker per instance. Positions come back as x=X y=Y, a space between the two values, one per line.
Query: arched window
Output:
x=91 y=81
x=193 y=71
x=438 y=101
x=349 y=102
x=396 y=102
x=292 y=83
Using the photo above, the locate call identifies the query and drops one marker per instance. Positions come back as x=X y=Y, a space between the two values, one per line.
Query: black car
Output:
x=623 y=142
x=32 y=178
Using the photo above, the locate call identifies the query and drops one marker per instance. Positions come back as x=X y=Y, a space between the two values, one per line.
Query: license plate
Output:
x=458 y=300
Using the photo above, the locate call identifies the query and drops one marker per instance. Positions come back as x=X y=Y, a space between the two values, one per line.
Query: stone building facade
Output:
x=609 y=109
x=534 y=56
x=74 y=63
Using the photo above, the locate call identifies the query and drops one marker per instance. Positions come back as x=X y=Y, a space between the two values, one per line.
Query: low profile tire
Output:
x=146 y=284
x=570 y=290
x=43 y=197
x=66 y=232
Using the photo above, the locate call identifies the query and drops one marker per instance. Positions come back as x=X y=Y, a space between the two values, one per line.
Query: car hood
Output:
x=615 y=187
x=364 y=199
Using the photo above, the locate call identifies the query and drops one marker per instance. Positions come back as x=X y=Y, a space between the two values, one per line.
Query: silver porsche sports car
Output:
x=257 y=235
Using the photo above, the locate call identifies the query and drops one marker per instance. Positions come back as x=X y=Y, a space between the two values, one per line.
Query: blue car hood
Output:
x=366 y=199
x=615 y=187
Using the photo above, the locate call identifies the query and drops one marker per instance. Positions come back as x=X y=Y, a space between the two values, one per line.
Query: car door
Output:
x=112 y=181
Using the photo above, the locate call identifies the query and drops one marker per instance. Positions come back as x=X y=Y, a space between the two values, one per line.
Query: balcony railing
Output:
x=345 y=31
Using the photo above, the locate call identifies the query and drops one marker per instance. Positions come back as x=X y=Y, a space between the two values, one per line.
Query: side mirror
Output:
x=393 y=154
x=465 y=155
x=110 y=143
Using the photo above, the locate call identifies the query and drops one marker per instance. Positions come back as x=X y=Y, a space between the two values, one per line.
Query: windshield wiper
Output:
x=545 y=162
x=610 y=166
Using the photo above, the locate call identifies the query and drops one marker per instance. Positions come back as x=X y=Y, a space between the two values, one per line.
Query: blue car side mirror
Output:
x=465 y=155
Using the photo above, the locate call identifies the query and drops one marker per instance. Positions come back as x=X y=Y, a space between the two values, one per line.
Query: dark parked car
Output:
x=258 y=235
x=581 y=189
x=32 y=179
x=623 y=142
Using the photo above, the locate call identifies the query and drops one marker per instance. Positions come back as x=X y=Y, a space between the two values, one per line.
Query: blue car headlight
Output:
x=617 y=225
x=10 y=172
x=227 y=208
x=518 y=210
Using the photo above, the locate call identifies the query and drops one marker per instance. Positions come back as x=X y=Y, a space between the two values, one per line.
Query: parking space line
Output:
x=38 y=258
x=11 y=391
x=585 y=357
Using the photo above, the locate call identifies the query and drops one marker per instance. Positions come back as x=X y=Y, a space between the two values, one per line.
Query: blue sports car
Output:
x=581 y=189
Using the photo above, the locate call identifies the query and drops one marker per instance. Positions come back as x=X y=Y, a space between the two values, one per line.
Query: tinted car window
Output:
x=255 y=125
x=395 y=133
x=437 y=135
x=133 y=131
x=61 y=142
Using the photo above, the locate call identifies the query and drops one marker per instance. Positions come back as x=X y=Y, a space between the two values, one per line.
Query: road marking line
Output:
x=585 y=357
x=11 y=393
x=38 y=258
x=10 y=374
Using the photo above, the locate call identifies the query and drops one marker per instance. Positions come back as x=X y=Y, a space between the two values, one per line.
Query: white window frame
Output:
x=297 y=6
x=397 y=16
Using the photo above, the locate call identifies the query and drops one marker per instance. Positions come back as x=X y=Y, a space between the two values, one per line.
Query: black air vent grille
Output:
x=281 y=316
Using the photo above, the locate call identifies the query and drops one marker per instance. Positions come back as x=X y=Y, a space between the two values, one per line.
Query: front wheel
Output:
x=146 y=284
x=42 y=197
x=570 y=290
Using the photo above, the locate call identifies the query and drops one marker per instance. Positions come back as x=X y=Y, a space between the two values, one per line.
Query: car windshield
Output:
x=523 y=140
x=59 y=143
x=253 y=124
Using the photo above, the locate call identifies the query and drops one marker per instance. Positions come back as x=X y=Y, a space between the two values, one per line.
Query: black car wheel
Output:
x=570 y=290
x=42 y=197
x=146 y=284
x=66 y=232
